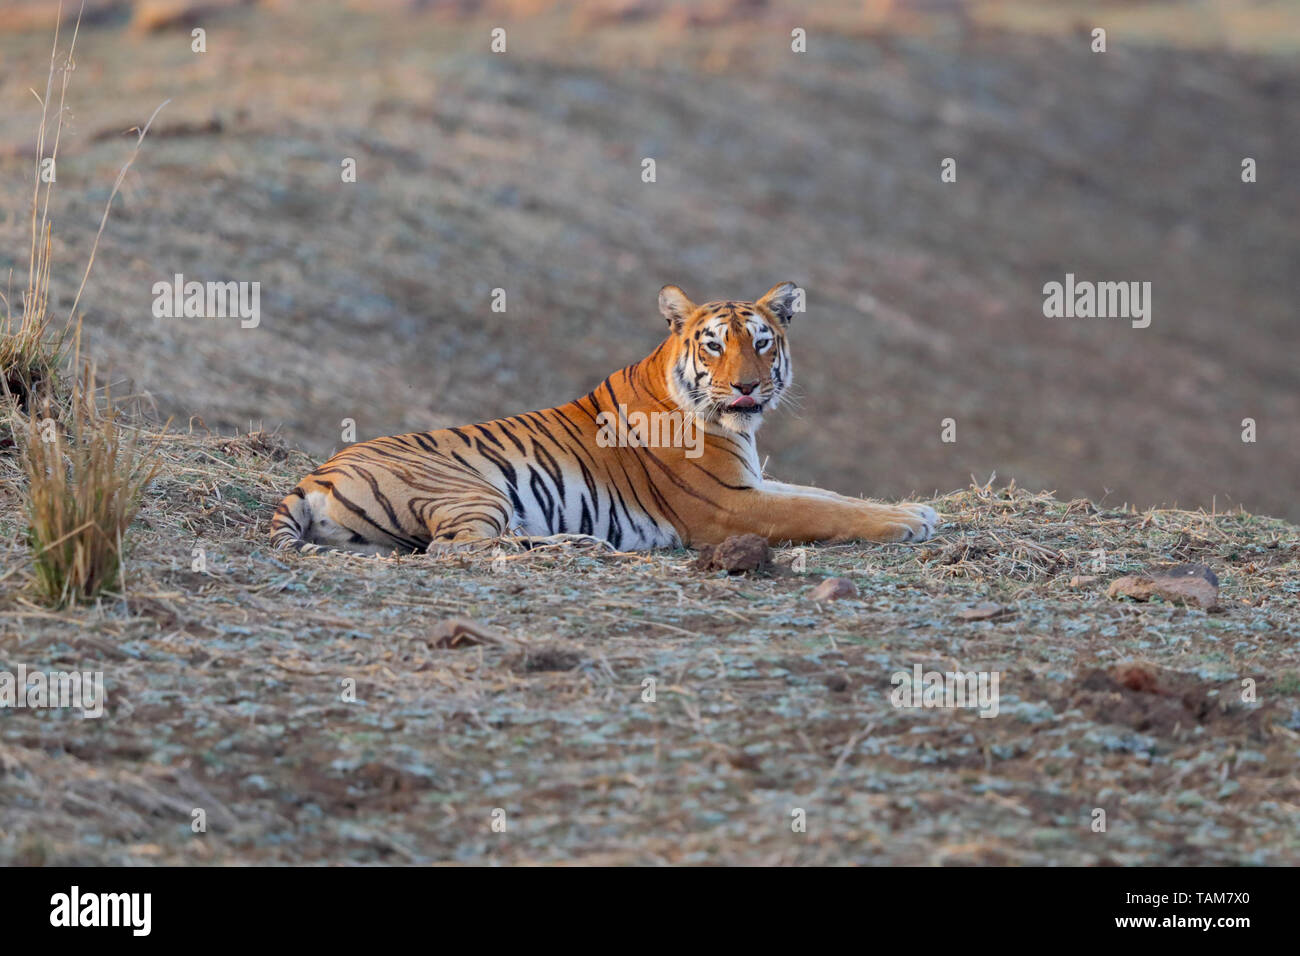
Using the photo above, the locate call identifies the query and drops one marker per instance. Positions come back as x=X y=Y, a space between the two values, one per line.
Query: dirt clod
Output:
x=1134 y=677
x=837 y=683
x=1166 y=703
x=736 y=555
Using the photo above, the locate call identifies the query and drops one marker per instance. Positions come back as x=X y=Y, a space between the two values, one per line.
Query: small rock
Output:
x=735 y=555
x=984 y=611
x=548 y=659
x=462 y=632
x=151 y=16
x=742 y=760
x=1136 y=677
x=1193 y=584
x=832 y=589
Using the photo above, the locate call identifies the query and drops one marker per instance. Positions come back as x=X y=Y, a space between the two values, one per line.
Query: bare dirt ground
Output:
x=226 y=692
x=226 y=686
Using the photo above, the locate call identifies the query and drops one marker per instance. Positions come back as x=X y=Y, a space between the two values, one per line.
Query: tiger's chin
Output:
x=742 y=420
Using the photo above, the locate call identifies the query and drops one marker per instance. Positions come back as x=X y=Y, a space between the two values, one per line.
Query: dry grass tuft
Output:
x=83 y=490
x=83 y=481
x=32 y=346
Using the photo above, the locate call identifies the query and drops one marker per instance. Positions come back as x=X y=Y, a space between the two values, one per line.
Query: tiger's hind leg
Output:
x=378 y=504
x=465 y=516
x=330 y=524
x=532 y=541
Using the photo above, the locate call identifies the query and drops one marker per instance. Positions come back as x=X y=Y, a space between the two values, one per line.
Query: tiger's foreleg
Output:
x=804 y=518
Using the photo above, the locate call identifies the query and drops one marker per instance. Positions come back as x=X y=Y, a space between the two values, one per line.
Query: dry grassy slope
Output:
x=522 y=171
x=224 y=694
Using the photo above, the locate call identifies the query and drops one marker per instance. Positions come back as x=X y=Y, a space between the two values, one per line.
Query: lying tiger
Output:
x=599 y=466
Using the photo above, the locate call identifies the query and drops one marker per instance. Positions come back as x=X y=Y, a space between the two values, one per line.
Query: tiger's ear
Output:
x=674 y=305
x=783 y=300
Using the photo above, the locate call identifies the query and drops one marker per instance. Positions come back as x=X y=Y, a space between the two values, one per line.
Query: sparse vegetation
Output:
x=84 y=478
x=33 y=345
x=228 y=672
x=517 y=679
x=82 y=491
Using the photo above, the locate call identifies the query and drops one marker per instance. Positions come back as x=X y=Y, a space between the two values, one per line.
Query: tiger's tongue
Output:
x=744 y=401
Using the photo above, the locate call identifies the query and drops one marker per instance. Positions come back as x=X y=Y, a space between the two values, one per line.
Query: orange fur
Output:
x=565 y=469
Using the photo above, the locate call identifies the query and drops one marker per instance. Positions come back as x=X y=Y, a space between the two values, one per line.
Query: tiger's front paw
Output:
x=924 y=523
x=903 y=523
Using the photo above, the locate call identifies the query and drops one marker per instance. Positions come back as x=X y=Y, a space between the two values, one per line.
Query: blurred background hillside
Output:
x=522 y=171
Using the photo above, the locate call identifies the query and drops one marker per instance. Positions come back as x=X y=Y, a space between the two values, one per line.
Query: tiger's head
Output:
x=730 y=362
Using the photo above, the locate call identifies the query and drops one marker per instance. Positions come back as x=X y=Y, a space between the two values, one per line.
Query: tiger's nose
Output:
x=745 y=387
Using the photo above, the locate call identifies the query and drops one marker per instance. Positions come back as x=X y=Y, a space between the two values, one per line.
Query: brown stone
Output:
x=1192 y=584
x=984 y=611
x=832 y=589
x=462 y=632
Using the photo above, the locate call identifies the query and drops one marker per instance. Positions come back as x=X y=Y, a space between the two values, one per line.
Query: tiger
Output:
x=661 y=454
